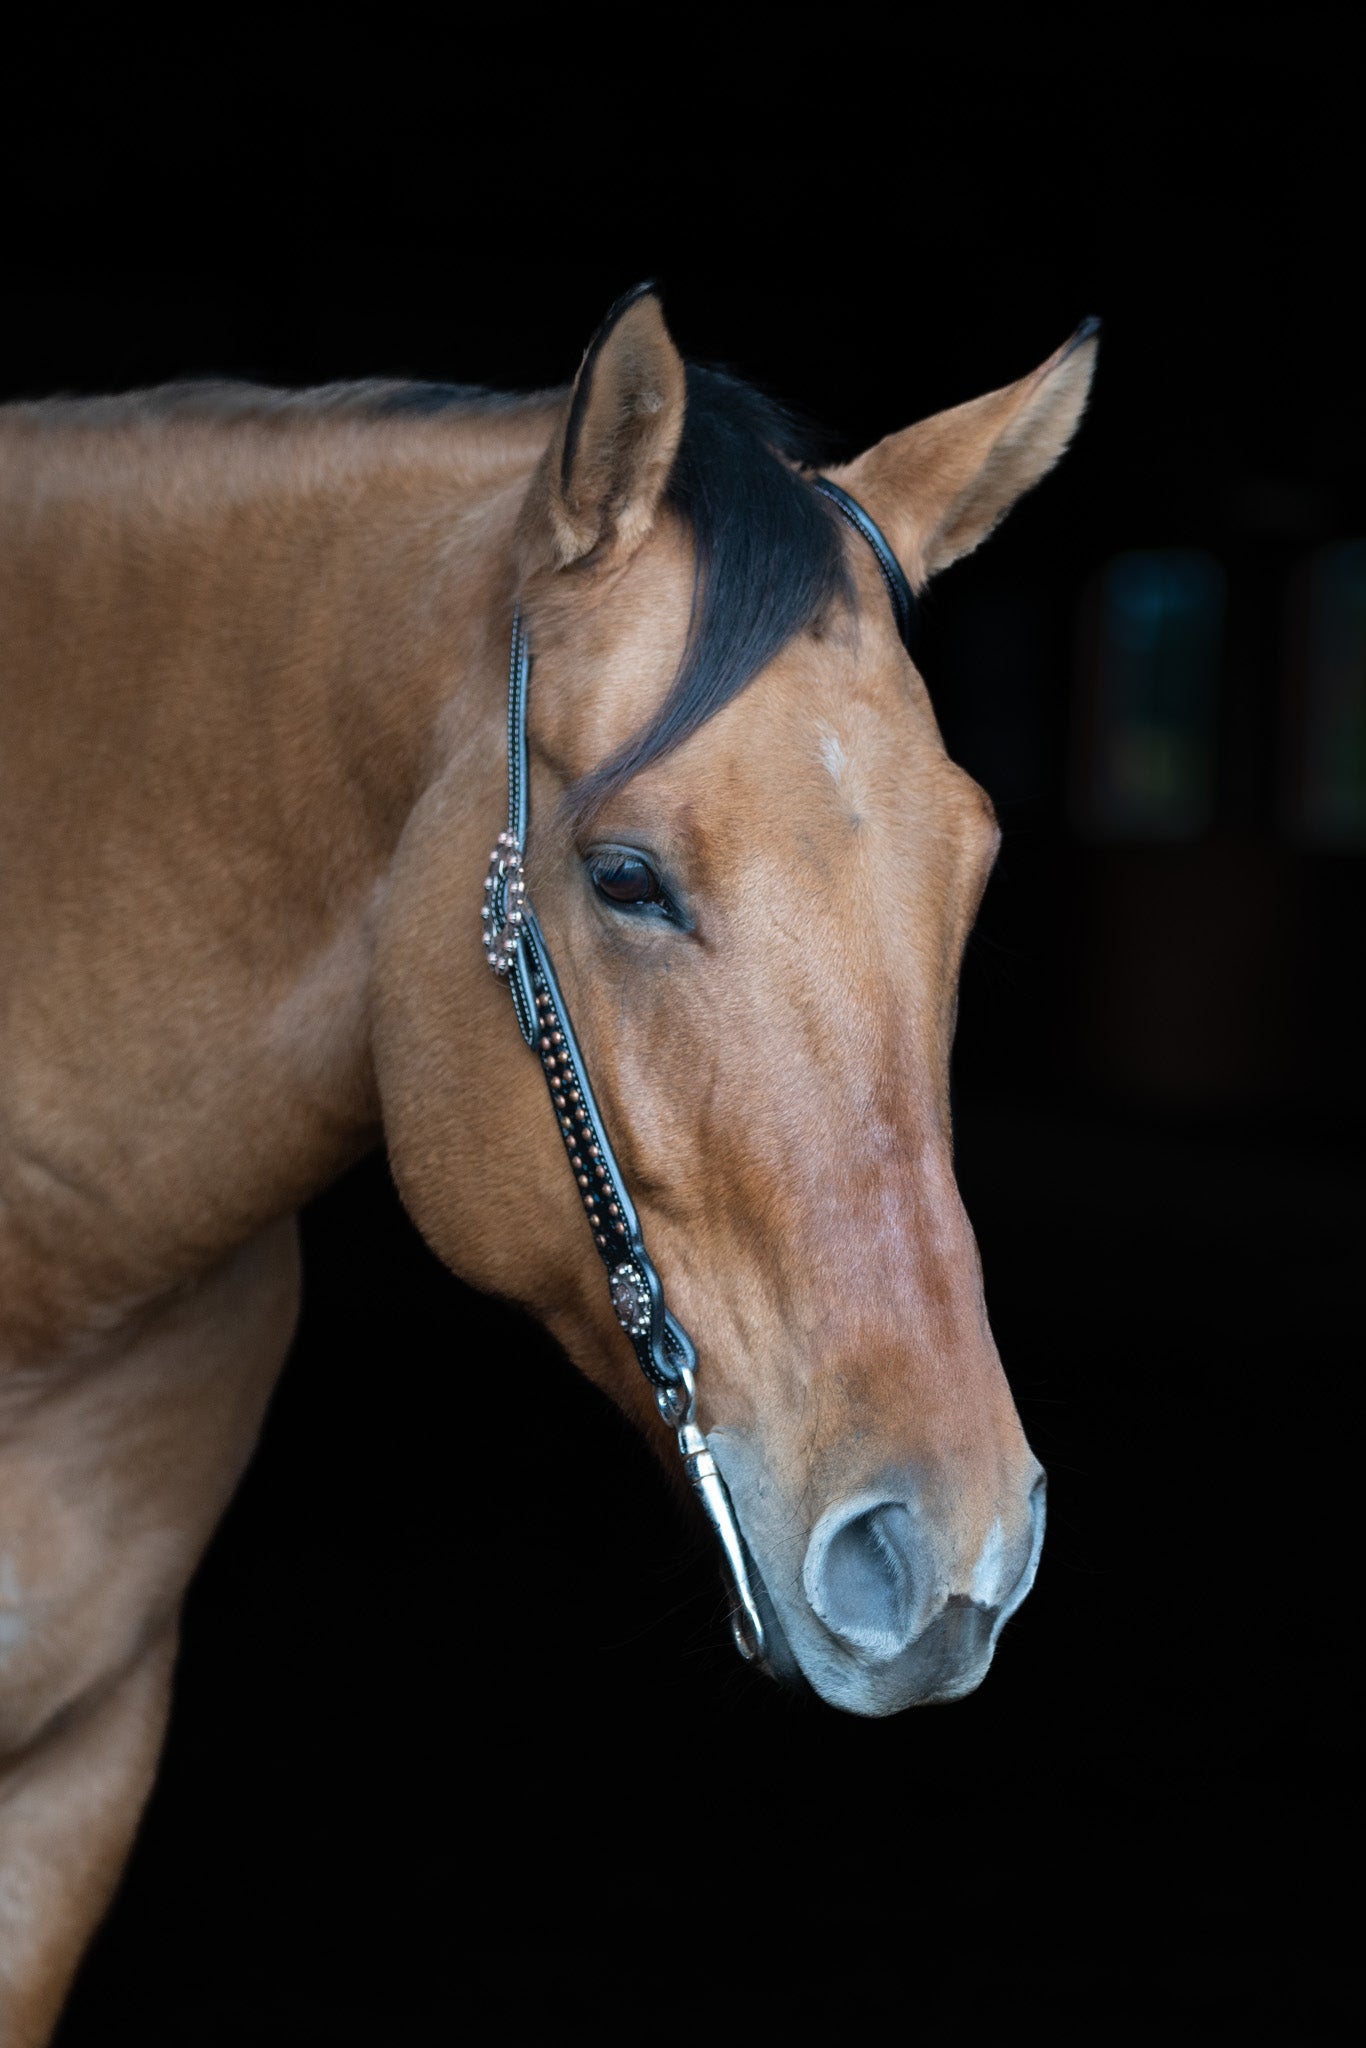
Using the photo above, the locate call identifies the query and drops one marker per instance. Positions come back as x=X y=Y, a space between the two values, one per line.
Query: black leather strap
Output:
x=519 y=801
x=904 y=607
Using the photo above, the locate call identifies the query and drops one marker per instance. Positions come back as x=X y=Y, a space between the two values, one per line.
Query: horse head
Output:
x=757 y=868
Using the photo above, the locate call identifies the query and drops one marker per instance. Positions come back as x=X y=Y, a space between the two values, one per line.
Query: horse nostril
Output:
x=859 y=1580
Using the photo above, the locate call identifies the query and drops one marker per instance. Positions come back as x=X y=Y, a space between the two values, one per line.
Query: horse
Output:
x=252 y=752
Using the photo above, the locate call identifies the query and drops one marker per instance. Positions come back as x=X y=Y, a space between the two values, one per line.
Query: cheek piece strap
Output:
x=516 y=950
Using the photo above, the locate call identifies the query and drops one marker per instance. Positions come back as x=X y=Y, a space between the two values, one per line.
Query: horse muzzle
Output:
x=873 y=1612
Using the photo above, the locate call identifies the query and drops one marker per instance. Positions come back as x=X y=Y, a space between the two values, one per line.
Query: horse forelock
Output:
x=768 y=562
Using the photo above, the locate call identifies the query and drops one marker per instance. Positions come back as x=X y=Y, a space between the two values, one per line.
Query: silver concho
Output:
x=504 y=898
x=631 y=1299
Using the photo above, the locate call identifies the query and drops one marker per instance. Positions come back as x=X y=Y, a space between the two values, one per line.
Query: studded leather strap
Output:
x=660 y=1342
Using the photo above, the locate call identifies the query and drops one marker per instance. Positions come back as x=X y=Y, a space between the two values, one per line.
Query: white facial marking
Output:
x=832 y=753
x=986 y=1573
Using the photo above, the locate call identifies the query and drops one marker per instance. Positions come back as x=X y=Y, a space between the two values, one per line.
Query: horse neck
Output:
x=239 y=650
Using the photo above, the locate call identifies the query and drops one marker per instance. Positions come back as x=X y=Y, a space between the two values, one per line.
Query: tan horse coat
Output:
x=251 y=714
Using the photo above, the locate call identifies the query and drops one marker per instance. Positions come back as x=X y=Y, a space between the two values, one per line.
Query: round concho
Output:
x=504 y=901
x=631 y=1299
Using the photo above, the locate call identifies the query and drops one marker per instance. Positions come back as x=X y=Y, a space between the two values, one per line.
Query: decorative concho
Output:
x=502 y=912
x=631 y=1299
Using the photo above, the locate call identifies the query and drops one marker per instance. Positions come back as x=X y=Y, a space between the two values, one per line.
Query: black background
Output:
x=459 y=1743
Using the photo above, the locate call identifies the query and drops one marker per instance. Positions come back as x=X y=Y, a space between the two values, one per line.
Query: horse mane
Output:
x=228 y=401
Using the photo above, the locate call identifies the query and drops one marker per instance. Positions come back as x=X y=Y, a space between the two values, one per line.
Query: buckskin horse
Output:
x=253 y=748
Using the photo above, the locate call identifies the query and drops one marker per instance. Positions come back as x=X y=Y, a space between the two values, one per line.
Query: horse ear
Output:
x=940 y=487
x=607 y=464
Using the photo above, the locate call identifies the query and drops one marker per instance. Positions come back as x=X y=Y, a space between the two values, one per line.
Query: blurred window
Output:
x=1329 y=652
x=1152 y=649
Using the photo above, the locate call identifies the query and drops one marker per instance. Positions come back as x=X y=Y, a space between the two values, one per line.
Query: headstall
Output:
x=515 y=948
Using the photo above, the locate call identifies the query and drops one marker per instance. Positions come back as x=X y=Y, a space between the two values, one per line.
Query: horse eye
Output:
x=625 y=878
